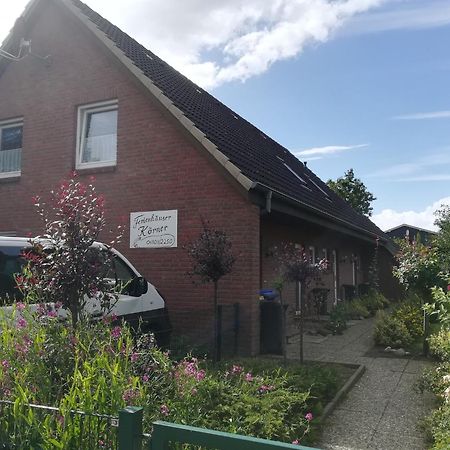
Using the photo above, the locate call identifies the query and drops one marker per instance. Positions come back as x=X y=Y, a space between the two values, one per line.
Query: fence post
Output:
x=130 y=428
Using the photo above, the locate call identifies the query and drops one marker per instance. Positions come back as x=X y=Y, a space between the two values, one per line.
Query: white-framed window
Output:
x=11 y=133
x=97 y=135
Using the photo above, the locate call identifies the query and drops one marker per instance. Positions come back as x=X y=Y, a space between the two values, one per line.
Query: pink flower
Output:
x=5 y=364
x=116 y=332
x=52 y=313
x=448 y=287
x=21 y=323
x=130 y=395
x=200 y=375
x=145 y=378
x=134 y=357
x=164 y=409
x=309 y=417
x=249 y=377
x=236 y=370
x=296 y=442
x=265 y=388
x=20 y=306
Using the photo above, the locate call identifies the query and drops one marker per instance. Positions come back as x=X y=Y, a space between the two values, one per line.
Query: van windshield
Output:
x=11 y=263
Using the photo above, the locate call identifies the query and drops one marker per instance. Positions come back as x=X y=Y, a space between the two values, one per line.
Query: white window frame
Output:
x=18 y=122
x=83 y=111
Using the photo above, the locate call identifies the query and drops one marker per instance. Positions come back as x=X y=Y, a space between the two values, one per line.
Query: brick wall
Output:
x=276 y=230
x=158 y=167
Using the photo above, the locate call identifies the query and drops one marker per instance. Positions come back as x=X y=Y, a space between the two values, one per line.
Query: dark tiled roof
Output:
x=258 y=156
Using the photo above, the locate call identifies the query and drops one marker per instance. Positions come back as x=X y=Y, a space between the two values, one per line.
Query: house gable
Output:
x=255 y=160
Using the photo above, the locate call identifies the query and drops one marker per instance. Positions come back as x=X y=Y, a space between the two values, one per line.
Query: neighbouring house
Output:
x=412 y=233
x=83 y=95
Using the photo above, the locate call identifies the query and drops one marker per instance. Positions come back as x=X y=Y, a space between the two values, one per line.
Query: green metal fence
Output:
x=165 y=433
x=20 y=427
x=123 y=432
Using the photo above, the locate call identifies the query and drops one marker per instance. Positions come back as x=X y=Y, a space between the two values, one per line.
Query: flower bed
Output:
x=100 y=368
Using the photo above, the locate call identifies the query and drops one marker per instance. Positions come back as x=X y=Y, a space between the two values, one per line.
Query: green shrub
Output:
x=391 y=332
x=440 y=345
x=412 y=316
x=338 y=318
x=374 y=301
x=357 y=309
x=437 y=381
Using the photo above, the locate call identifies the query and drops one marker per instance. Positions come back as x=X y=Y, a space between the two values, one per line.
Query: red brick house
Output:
x=96 y=101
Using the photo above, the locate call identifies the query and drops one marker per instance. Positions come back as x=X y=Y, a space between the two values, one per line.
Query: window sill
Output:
x=6 y=177
x=87 y=170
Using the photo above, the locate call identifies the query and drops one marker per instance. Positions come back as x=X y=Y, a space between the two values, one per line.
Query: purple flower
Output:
x=20 y=306
x=5 y=364
x=129 y=395
x=200 y=375
x=296 y=442
x=309 y=417
x=164 y=409
x=265 y=388
x=236 y=370
x=134 y=357
x=145 y=378
x=21 y=323
x=116 y=332
x=52 y=313
x=249 y=377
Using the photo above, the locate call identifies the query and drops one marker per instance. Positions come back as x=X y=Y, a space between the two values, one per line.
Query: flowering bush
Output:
x=97 y=368
x=62 y=265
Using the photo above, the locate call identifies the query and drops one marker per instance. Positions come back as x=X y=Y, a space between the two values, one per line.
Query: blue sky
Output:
x=359 y=84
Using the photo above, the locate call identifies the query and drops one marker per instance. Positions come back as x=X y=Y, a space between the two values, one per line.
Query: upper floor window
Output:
x=10 y=148
x=97 y=135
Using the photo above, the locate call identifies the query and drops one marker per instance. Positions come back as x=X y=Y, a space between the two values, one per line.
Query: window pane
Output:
x=100 y=139
x=11 y=138
x=10 y=149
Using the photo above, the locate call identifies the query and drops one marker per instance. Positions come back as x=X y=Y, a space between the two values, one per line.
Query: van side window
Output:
x=121 y=274
x=11 y=264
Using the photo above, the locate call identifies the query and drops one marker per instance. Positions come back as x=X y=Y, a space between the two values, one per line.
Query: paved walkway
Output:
x=382 y=410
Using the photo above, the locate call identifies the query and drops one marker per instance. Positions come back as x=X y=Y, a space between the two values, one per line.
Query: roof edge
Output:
x=411 y=226
x=319 y=212
x=211 y=148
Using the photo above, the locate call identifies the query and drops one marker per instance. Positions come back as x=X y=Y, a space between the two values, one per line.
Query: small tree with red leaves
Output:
x=297 y=266
x=212 y=258
x=63 y=266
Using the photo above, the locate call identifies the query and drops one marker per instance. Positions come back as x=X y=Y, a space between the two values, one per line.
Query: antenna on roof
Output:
x=305 y=163
x=24 y=50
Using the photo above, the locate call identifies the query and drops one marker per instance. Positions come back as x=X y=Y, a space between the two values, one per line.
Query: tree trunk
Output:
x=283 y=329
x=216 y=325
x=302 y=315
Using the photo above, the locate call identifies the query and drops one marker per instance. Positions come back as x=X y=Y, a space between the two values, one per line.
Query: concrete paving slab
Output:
x=383 y=410
x=390 y=441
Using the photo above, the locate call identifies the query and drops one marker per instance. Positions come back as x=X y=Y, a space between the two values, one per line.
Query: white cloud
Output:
x=390 y=218
x=403 y=15
x=424 y=116
x=214 y=42
x=414 y=171
x=327 y=150
x=427 y=177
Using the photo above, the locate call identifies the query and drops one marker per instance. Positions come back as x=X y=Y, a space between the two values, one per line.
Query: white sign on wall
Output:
x=154 y=229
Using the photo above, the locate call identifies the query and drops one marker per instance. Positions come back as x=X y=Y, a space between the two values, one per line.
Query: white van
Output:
x=139 y=301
